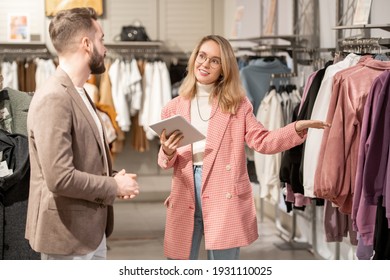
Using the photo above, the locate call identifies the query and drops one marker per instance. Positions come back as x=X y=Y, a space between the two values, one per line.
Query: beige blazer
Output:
x=71 y=196
x=229 y=213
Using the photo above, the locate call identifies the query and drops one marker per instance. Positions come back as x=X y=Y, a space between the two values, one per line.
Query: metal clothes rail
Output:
x=23 y=50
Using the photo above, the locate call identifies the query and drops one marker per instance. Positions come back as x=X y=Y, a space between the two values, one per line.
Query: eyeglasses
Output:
x=215 y=62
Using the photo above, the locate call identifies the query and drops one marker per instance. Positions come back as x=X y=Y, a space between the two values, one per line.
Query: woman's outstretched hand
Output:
x=303 y=125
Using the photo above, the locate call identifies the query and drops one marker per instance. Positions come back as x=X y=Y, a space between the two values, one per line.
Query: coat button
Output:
x=228 y=195
x=228 y=167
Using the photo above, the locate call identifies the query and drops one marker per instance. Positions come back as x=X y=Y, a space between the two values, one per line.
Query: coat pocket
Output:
x=243 y=187
x=67 y=204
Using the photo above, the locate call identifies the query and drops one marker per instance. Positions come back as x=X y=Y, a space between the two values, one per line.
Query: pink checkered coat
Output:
x=229 y=212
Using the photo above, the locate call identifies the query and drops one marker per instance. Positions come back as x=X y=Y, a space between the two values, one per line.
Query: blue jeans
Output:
x=227 y=254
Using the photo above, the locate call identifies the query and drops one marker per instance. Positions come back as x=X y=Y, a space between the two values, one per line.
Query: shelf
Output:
x=135 y=44
x=31 y=45
x=27 y=48
x=290 y=38
x=384 y=42
x=364 y=26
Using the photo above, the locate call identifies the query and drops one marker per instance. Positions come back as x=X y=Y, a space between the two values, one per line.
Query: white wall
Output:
x=179 y=23
x=182 y=22
x=35 y=9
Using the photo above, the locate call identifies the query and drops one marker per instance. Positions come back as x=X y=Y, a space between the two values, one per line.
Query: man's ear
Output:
x=87 y=44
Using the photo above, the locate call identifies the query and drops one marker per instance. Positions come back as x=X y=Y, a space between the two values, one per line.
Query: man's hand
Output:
x=127 y=185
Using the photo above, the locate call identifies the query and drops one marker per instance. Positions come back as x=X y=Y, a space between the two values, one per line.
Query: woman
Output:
x=211 y=194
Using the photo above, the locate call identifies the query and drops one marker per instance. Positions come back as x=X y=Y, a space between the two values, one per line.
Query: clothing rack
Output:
x=283 y=75
x=137 y=48
x=365 y=45
x=295 y=49
x=271 y=44
x=147 y=50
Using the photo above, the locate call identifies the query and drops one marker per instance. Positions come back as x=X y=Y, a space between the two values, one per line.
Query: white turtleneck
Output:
x=202 y=99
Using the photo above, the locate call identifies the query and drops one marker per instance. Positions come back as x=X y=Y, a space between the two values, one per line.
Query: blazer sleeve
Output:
x=167 y=111
x=264 y=141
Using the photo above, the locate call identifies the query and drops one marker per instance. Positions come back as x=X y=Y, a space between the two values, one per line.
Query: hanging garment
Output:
x=157 y=93
x=372 y=160
x=117 y=73
x=382 y=233
x=9 y=71
x=291 y=160
x=45 y=68
x=135 y=88
x=14 y=190
x=13 y=110
x=110 y=123
x=267 y=166
x=342 y=143
x=105 y=94
x=108 y=126
x=319 y=112
x=256 y=78
x=337 y=80
x=5 y=111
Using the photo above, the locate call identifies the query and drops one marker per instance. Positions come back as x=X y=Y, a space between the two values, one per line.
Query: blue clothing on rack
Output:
x=256 y=78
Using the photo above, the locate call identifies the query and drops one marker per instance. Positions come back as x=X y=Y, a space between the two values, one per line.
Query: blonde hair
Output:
x=227 y=88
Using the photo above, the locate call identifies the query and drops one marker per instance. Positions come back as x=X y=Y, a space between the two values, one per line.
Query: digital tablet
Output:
x=177 y=122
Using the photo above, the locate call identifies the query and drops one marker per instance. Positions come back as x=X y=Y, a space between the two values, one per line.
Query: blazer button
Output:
x=228 y=167
x=104 y=174
x=228 y=195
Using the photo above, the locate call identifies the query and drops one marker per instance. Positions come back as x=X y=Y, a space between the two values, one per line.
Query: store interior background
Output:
x=178 y=25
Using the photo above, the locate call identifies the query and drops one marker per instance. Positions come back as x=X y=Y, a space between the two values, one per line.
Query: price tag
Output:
x=4 y=171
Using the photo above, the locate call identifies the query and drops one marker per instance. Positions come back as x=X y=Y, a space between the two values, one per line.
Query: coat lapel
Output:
x=71 y=90
x=109 y=163
x=215 y=132
x=184 y=109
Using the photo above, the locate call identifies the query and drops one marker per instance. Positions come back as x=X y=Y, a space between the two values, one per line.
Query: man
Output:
x=72 y=190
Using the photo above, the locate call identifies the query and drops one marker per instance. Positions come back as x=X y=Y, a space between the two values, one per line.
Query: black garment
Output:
x=177 y=72
x=381 y=234
x=250 y=164
x=15 y=103
x=290 y=171
x=14 y=190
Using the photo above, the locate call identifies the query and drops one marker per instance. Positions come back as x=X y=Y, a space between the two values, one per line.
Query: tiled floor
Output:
x=139 y=224
x=139 y=231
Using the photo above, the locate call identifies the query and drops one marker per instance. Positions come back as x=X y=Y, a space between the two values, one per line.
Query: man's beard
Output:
x=97 y=63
